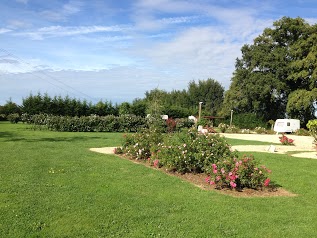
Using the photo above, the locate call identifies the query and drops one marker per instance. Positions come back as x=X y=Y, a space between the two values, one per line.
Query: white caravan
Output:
x=286 y=125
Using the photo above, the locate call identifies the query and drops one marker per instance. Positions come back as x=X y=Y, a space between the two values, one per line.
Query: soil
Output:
x=199 y=181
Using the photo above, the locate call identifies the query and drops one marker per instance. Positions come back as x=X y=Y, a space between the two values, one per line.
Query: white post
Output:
x=231 y=118
x=199 y=112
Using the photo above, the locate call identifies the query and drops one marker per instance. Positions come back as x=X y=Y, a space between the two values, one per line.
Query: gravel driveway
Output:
x=303 y=144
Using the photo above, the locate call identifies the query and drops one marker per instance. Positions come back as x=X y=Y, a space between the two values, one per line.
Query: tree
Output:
x=210 y=92
x=124 y=108
x=301 y=105
x=280 y=61
x=10 y=108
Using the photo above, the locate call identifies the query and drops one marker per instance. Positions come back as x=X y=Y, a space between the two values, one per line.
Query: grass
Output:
x=248 y=142
x=53 y=186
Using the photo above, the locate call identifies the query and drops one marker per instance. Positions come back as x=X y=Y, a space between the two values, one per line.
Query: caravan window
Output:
x=288 y=124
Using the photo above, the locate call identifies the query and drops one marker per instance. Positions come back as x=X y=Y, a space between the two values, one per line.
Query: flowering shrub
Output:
x=140 y=145
x=286 y=141
x=191 y=151
x=237 y=174
x=223 y=127
x=260 y=130
x=233 y=129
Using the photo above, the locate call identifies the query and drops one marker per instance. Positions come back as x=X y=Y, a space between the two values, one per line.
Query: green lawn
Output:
x=51 y=185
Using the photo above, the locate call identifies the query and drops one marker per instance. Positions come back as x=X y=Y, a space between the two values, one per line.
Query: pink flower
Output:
x=215 y=171
x=230 y=173
x=233 y=185
x=212 y=182
x=214 y=166
x=232 y=177
x=267 y=182
x=155 y=163
x=207 y=179
x=223 y=170
x=218 y=178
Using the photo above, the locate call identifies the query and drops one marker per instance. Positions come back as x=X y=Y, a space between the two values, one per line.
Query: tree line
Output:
x=276 y=77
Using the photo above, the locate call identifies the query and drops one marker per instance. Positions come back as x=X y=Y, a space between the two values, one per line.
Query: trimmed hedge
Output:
x=94 y=123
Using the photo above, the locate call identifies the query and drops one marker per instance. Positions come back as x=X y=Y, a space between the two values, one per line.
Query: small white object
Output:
x=271 y=149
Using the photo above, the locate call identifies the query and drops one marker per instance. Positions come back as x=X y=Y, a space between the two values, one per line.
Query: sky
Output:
x=116 y=50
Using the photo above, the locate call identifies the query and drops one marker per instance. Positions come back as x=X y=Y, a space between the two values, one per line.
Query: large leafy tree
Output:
x=210 y=92
x=279 y=62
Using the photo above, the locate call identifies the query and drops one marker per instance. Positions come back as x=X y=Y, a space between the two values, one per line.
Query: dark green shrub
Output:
x=248 y=121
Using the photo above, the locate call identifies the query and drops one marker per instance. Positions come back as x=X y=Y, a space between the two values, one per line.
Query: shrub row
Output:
x=110 y=123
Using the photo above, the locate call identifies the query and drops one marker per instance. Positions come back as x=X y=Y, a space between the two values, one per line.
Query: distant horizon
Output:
x=117 y=50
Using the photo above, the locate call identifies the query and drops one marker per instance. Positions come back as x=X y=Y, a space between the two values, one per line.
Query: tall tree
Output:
x=210 y=92
x=280 y=61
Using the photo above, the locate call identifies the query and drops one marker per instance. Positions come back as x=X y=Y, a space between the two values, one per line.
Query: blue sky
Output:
x=116 y=50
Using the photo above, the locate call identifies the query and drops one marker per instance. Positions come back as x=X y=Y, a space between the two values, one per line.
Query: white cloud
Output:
x=60 y=31
x=4 y=30
x=64 y=12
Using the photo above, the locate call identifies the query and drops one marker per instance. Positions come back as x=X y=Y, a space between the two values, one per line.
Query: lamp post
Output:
x=199 y=112
x=231 y=118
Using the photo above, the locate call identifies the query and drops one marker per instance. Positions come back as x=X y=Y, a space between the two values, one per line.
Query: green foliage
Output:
x=191 y=151
x=223 y=127
x=238 y=174
x=210 y=92
x=110 y=123
x=9 y=108
x=233 y=129
x=142 y=144
x=260 y=130
x=184 y=123
x=65 y=106
x=280 y=61
x=300 y=105
x=248 y=121
x=302 y=132
x=312 y=127
x=14 y=117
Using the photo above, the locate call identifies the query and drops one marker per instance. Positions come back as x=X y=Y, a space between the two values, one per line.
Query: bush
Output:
x=286 y=141
x=184 y=123
x=233 y=129
x=3 y=117
x=142 y=144
x=302 y=132
x=248 y=121
x=191 y=151
x=13 y=118
x=223 y=127
x=260 y=130
x=238 y=174
x=312 y=127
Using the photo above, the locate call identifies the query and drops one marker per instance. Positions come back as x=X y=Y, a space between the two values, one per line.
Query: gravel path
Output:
x=303 y=145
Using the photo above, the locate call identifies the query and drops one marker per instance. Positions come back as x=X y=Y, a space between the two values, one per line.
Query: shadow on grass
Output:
x=51 y=139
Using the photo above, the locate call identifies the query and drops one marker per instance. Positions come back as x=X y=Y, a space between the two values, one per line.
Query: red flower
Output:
x=267 y=182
